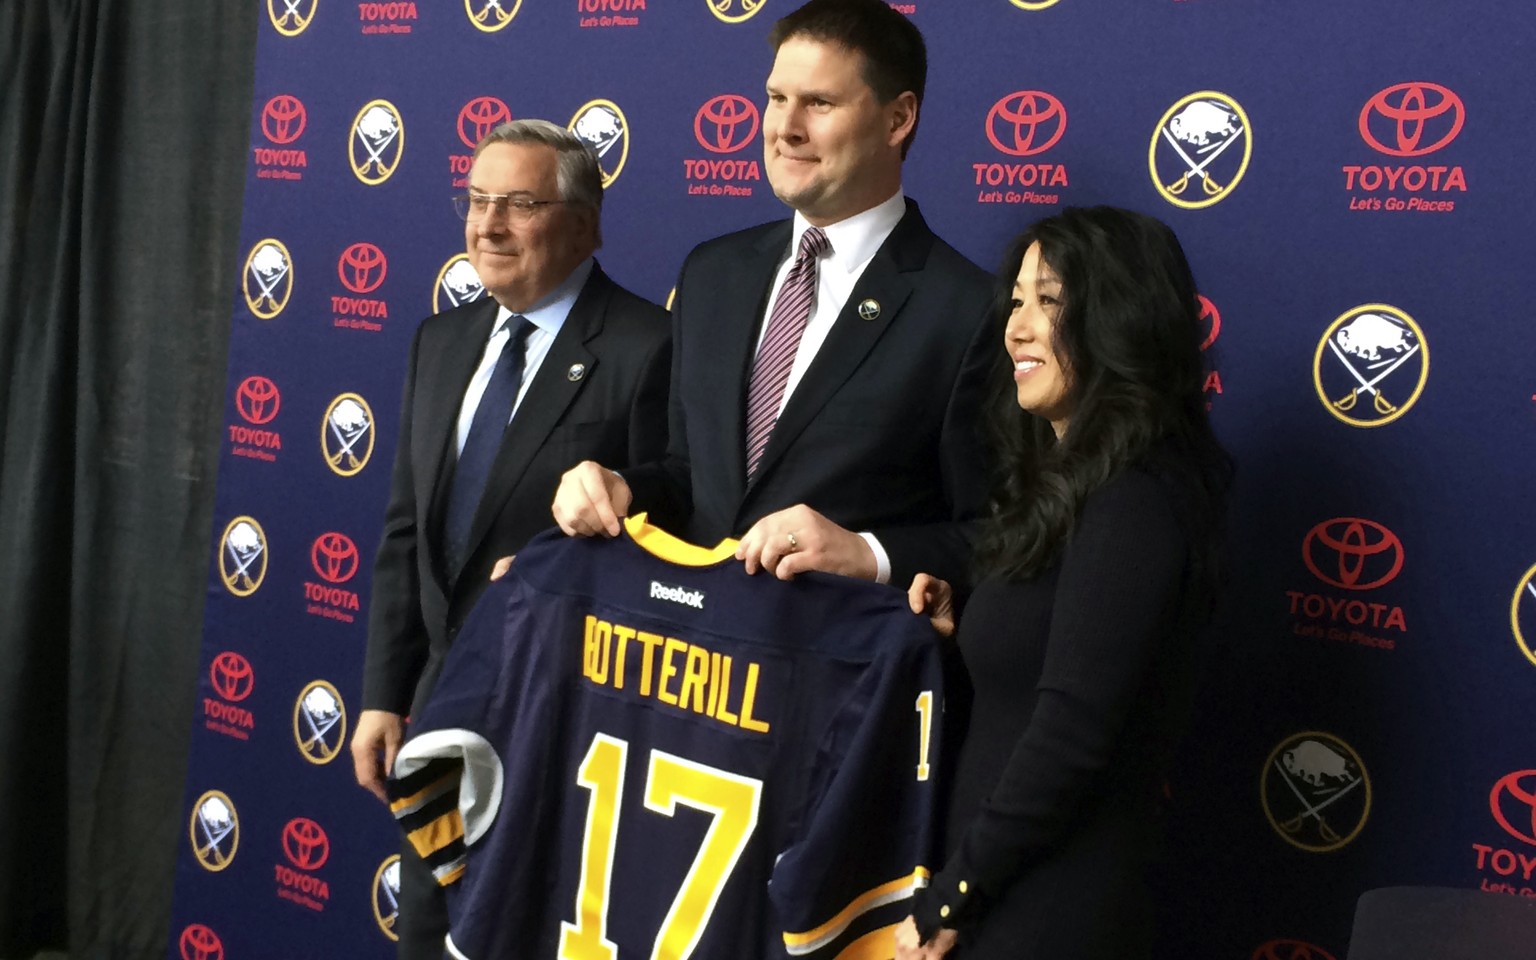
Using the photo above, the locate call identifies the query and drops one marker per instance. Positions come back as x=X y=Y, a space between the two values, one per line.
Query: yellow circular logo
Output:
x=1368 y=356
x=601 y=124
x=1522 y=610
x=268 y=278
x=346 y=434
x=377 y=142
x=1200 y=150
x=734 y=11
x=243 y=556
x=215 y=831
x=457 y=284
x=1315 y=791
x=671 y=296
x=319 y=722
x=386 y=895
x=1033 y=4
x=287 y=16
x=488 y=16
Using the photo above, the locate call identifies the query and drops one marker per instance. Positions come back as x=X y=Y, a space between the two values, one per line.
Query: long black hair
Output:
x=1128 y=336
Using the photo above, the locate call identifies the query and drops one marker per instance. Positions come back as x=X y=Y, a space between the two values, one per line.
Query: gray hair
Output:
x=578 y=176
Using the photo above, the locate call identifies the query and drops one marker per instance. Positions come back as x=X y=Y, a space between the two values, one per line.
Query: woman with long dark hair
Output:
x=1098 y=571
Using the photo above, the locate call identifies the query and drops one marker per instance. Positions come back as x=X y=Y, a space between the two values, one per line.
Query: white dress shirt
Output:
x=547 y=317
x=854 y=242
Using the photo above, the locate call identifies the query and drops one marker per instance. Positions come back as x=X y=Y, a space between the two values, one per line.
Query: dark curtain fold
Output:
x=123 y=136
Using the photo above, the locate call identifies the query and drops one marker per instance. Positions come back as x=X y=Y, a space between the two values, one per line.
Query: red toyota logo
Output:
x=479 y=117
x=1362 y=554
x=1513 y=801
x=362 y=268
x=305 y=845
x=1026 y=122
x=283 y=119
x=257 y=400
x=1290 y=950
x=232 y=676
x=1411 y=119
x=200 y=943
x=1210 y=320
x=720 y=123
x=334 y=556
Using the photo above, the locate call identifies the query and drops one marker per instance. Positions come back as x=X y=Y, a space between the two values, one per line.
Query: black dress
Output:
x=1081 y=679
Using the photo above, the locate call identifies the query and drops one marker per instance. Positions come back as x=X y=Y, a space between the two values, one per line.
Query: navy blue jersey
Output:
x=638 y=750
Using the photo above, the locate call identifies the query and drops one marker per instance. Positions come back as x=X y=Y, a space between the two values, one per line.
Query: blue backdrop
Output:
x=1351 y=184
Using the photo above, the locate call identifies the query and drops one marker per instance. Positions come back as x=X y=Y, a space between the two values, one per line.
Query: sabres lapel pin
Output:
x=869 y=310
x=577 y=371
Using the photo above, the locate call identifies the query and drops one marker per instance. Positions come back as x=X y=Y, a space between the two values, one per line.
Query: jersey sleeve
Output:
x=867 y=836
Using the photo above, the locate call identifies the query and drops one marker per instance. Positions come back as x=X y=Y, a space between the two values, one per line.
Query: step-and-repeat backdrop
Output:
x=1352 y=184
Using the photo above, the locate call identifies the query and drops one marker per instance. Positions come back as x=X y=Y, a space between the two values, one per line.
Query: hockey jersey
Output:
x=638 y=750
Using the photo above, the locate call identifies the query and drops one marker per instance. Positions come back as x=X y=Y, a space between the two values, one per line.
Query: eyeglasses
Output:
x=475 y=206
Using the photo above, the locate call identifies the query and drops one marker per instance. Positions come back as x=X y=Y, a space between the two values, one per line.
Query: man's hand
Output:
x=909 y=945
x=591 y=500
x=934 y=597
x=374 y=745
x=799 y=539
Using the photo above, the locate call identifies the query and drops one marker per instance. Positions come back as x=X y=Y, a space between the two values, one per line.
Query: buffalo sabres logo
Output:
x=319 y=722
x=377 y=141
x=243 y=556
x=1360 y=361
x=268 y=278
x=1034 y=4
x=386 y=895
x=1197 y=140
x=489 y=16
x=346 y=434
x=291 y=17
x=1315 y=791
x=601 y=124
x=734 y=11
x=1522 y=614
x=215 y=831
x=457 y=284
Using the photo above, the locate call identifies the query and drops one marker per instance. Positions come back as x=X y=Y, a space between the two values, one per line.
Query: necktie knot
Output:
x=813 y=243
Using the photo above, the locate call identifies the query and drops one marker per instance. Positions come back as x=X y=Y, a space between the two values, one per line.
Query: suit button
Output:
x=964 y=887
x=944 y=910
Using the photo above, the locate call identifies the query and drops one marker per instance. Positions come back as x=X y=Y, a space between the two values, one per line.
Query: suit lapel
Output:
x=852 y=337
x=454 y=363
x=739 y=340
x=545 y=402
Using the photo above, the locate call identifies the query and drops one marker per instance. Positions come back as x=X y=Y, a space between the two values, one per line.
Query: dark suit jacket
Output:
x=614 y=413
x=882 y=434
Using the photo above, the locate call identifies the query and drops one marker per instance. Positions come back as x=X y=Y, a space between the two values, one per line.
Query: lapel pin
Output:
x=869 y=310
x=577 y=371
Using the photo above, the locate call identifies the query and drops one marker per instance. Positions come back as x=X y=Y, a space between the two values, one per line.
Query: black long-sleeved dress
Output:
x=1081 y=678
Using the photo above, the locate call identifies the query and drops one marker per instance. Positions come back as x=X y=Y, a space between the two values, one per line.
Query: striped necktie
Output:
x=776 y=356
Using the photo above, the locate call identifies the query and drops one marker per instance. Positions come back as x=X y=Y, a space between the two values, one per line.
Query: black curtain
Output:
x=123 y=139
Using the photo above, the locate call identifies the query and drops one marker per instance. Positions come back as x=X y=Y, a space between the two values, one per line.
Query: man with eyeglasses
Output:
x=557 y=365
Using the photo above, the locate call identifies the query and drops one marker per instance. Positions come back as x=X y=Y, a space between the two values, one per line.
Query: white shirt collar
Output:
x=549 y=313
x=855 y=240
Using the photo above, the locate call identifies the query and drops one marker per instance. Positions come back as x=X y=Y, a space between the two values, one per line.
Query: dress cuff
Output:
x=950 y=901
x=882 y=559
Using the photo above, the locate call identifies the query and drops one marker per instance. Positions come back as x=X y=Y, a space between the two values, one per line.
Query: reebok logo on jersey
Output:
x=688 y=598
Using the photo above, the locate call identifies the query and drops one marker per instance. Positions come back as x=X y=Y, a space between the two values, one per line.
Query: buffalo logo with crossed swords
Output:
x=457 y=284
x=346 y=434
x=1371 y=365
x=489 y=16
x=1522 y=614
x=1315 y=791
x=214 y=829
x=377 y=142
x=1200 y=149
x=243 y=556
x=319 y=722
x=268 y=278
x=386 y=895
x=291 y=17
x=601 y=125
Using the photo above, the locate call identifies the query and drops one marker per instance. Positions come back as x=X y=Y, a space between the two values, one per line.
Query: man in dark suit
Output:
x=830 y=421
x=501 y=395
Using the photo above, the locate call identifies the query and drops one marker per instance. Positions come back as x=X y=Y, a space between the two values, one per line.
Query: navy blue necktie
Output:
x=490 y=422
